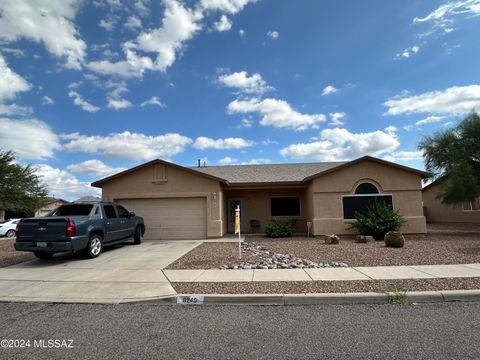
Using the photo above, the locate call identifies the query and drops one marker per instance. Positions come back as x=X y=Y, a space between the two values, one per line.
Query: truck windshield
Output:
x=72 y=210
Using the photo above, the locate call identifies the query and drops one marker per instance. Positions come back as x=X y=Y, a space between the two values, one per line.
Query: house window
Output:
x=285 y=206
x=472 y=205
x=365 y=194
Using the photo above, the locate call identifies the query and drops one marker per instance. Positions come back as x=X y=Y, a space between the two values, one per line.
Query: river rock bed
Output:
x=270 y=260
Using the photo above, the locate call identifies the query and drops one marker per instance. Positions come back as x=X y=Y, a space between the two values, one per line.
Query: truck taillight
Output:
x=17 y=231
x=71 y=228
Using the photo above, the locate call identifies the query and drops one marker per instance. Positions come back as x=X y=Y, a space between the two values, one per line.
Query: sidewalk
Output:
x=326 y=274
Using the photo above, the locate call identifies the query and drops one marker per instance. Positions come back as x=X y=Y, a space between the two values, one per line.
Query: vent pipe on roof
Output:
x=199 y=162
x=204 y=163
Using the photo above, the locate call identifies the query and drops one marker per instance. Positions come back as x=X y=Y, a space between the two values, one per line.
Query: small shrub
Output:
x=378 y=219
x=279 y=228
x=394 y=239
x=395 y=296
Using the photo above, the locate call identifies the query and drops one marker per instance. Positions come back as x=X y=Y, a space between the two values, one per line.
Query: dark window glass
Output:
x=110 y=211
x=366 y=188
x=72 y=210
x=285 y=206
x=122 y=212
x=354 y=204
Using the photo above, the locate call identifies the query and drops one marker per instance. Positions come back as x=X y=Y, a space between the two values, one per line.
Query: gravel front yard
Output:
x=9 y=256
x=302 y=287
x=432 y=249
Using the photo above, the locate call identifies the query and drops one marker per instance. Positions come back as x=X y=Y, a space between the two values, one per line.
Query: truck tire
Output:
x=94 y=246
x=43 y=255
x=137 y=235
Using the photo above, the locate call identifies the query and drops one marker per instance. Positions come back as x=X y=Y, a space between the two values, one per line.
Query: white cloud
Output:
x=224 y=24
x=257 y=161
x=47 y=100
x=118 y=104
x=15 y=110
x=242 y=33
x=93 y=167
x=450 y=9
x=276 y=113
x=227 y=160
x=108 y=23
x=406 y=53
x=29 y=139
x=203 y=143
x=329 y=89
x=273 y=35
x=10 y=82
x=49 y=22
x=454 y=100
x=240 y=80
x=179 y=25
x=154 y=100
x=82 y=103
x=428 y=120
x=340 y=144
x=127 y=145
x=404 y=156
x=336 y=118
x=142 y=7
x=133 y=23
x=246 y=123
x=62 y=184
x=228 y=6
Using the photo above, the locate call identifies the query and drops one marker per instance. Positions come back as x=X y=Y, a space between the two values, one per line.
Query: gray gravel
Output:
x=437 y=331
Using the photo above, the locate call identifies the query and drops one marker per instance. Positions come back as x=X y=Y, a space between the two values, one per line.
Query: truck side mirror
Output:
x=131 y=214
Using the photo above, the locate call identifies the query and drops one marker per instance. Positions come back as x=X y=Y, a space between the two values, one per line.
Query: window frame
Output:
x=471 y=206
x=126 y=211
x=287 y=216
x=363 y=195
x=114 y=209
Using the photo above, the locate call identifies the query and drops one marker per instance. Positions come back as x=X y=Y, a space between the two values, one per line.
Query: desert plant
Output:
x=394 y=239
x=378 y=219
x=395 y=295
x=279 y=228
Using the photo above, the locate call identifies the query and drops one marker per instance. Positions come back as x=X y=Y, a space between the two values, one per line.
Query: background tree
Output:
x=20 y=188
x=453 y=157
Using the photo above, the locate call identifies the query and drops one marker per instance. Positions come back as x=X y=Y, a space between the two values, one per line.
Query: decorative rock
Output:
x=363 y=239
x=332 y=239
x=394 y=239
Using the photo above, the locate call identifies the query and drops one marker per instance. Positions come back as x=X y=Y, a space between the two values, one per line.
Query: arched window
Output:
x=366 y=188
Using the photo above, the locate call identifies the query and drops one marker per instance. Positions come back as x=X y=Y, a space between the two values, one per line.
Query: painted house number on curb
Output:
x=190 y=300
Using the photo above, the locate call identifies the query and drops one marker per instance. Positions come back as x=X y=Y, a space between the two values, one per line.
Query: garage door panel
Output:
x=171 y=218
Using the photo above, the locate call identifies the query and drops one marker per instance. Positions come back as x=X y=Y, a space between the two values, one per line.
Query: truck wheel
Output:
x=10 y=233
x=137 y=236
x=43 y=255
x=94 y=246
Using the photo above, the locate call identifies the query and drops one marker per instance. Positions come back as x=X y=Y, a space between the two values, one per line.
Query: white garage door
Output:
x=172 y=218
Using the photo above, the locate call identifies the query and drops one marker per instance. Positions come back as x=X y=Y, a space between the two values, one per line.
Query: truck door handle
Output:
x=108 y=222
x=122 y=222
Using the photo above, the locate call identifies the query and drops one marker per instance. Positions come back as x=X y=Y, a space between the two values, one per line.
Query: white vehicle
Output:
x=7 y=227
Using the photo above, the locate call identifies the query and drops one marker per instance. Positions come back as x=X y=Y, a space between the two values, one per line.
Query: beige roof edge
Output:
x=423 y=174
x=99 y=183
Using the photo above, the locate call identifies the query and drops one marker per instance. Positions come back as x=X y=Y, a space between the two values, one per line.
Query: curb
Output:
x=318 y=299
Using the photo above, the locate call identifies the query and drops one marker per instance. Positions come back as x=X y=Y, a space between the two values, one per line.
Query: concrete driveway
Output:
x=122 y=273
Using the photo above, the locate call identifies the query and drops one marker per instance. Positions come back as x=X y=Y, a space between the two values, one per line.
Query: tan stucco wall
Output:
x=179 y=183
x=256 y=206
x=435 y=211
x=49 y=207
x=404 y=186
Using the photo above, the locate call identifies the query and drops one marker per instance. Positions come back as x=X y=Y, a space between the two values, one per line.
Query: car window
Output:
x=110 y=211
x=122 y=212
x=16 y=222
x=73 y=210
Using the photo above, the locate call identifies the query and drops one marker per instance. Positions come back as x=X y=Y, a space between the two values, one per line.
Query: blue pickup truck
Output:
x=85 y=227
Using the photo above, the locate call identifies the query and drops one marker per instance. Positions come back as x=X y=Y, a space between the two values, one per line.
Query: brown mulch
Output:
x=301 y=287
x=431 y=249
x=9 y=256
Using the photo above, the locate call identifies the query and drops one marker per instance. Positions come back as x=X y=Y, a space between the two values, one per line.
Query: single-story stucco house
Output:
x=51 y=205
x=199 y=202
x=436 y=211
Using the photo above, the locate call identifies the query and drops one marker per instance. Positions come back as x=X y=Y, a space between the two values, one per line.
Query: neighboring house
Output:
x=52 y=204
x=87 y=199
x=186 y=203
x=435 y=211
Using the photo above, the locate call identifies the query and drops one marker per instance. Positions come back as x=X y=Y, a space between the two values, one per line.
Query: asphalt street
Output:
x=435 y=331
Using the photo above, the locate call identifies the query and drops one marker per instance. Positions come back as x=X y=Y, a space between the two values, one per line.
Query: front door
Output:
x=232 y=205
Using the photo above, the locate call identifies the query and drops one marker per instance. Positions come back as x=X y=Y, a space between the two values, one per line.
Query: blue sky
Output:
x=88 y=88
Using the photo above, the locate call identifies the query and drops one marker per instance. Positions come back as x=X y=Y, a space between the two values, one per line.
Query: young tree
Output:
x=20 y=188
x=453 y=157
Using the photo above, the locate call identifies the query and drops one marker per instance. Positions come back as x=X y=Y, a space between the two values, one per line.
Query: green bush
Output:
x=394 y=239
x=378 y=219
x=279 y=228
